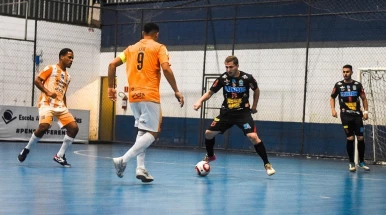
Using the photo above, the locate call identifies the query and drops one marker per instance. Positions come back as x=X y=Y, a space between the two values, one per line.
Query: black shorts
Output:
x=352 y=124
x=243 y=119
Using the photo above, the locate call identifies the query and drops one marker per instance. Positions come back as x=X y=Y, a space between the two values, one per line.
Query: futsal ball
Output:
x=202 y=168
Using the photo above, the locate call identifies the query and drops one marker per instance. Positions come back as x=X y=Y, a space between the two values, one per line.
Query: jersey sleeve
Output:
x=217 y=85
x=45 y=73
x=334 y=92
x=124 y=55
x=361 y=89
x=163 y=55
x=253 y=83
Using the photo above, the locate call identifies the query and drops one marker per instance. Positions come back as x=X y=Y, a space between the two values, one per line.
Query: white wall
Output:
x=15 y=28
x=280 y=74
x=16 y=64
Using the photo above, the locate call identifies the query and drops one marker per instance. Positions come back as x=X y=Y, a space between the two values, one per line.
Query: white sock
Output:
x=32 y=141
x=139 y=146
x=67 y=141
x=141 y=160
x=141 y=156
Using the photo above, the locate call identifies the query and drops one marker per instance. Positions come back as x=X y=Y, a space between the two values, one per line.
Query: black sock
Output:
x=350 y=150
x=209 y=144
x=361 y=150
x=260 y=149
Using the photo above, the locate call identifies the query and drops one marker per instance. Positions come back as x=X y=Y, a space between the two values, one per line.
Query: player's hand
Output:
x=180 y=98
x=52 y=95
x=253 y=110
x=112 y=94
x=334 y=114
x=197 y=105
x=365 y=116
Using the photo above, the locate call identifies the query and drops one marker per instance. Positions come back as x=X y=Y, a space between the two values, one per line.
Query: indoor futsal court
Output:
x=301 y=64
x=237 y=184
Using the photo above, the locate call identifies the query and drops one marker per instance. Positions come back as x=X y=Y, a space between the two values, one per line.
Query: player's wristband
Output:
x=365 y=112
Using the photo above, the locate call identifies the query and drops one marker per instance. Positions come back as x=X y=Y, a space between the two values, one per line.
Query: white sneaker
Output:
x=143 y=175
x=269 y=169
x=119 y=166
x=363 y=166
x=351 y=167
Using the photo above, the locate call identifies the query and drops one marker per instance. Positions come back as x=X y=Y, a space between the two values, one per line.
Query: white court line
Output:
x=79 y=152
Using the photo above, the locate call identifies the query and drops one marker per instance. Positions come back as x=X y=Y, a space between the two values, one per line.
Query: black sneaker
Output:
x=61 y=160
x=23 y=155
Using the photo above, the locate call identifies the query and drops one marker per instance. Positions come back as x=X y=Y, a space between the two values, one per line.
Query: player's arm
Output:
x=256 y=96
x=65 y=100
x=203 y=98
x=39 y=83
x=112 y=93
x=168 y=73
x=332 y=105
x=365 y=106
x=334 y=94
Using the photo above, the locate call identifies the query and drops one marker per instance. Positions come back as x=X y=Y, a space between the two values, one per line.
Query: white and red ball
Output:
x=202 y=168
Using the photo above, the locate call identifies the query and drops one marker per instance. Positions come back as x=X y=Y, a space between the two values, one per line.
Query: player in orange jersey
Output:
x=143 y=63
x=53 y=82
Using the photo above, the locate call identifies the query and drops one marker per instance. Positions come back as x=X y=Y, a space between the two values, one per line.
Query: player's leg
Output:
x=361 y=143
x=67 y=121
x=219 y=125
x=140 y=156
x=246 y=123
x=349 y=130
x=141 y=172
x=148 y=118
x=45 y=120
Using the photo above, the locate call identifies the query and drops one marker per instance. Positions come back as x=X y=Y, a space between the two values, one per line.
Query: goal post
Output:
x=374 y=84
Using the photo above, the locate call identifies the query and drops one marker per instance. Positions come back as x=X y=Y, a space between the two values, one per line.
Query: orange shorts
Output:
x=46 y=114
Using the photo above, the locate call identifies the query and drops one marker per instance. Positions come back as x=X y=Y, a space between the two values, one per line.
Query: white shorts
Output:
x=148 y=115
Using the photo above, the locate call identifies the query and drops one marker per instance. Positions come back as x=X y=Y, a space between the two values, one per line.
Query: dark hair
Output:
x=347 y=66
x=232 y=59
x=64 y=52
x=150 y=28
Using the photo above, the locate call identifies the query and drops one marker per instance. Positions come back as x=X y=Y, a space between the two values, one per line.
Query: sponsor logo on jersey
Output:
x=230 y=89
x=233 y=103
x=348 y=93
x=351 y=105
x=233 y=82
x=246 y=126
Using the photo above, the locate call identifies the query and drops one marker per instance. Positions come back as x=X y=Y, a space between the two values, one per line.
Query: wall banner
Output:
x=17 y=123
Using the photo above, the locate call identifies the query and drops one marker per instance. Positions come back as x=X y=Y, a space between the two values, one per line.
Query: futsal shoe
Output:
x=209 y=159
x=363 y=166
x=269 y=169
x=351 y=167
x=143 y=175
x=119 y=166
x=23 y=155
x=62 y=161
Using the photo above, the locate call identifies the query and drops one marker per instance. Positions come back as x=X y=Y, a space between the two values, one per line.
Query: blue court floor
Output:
x=237 y=184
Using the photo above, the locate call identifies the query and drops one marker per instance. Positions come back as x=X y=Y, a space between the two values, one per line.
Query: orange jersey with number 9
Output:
x=143 y=61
